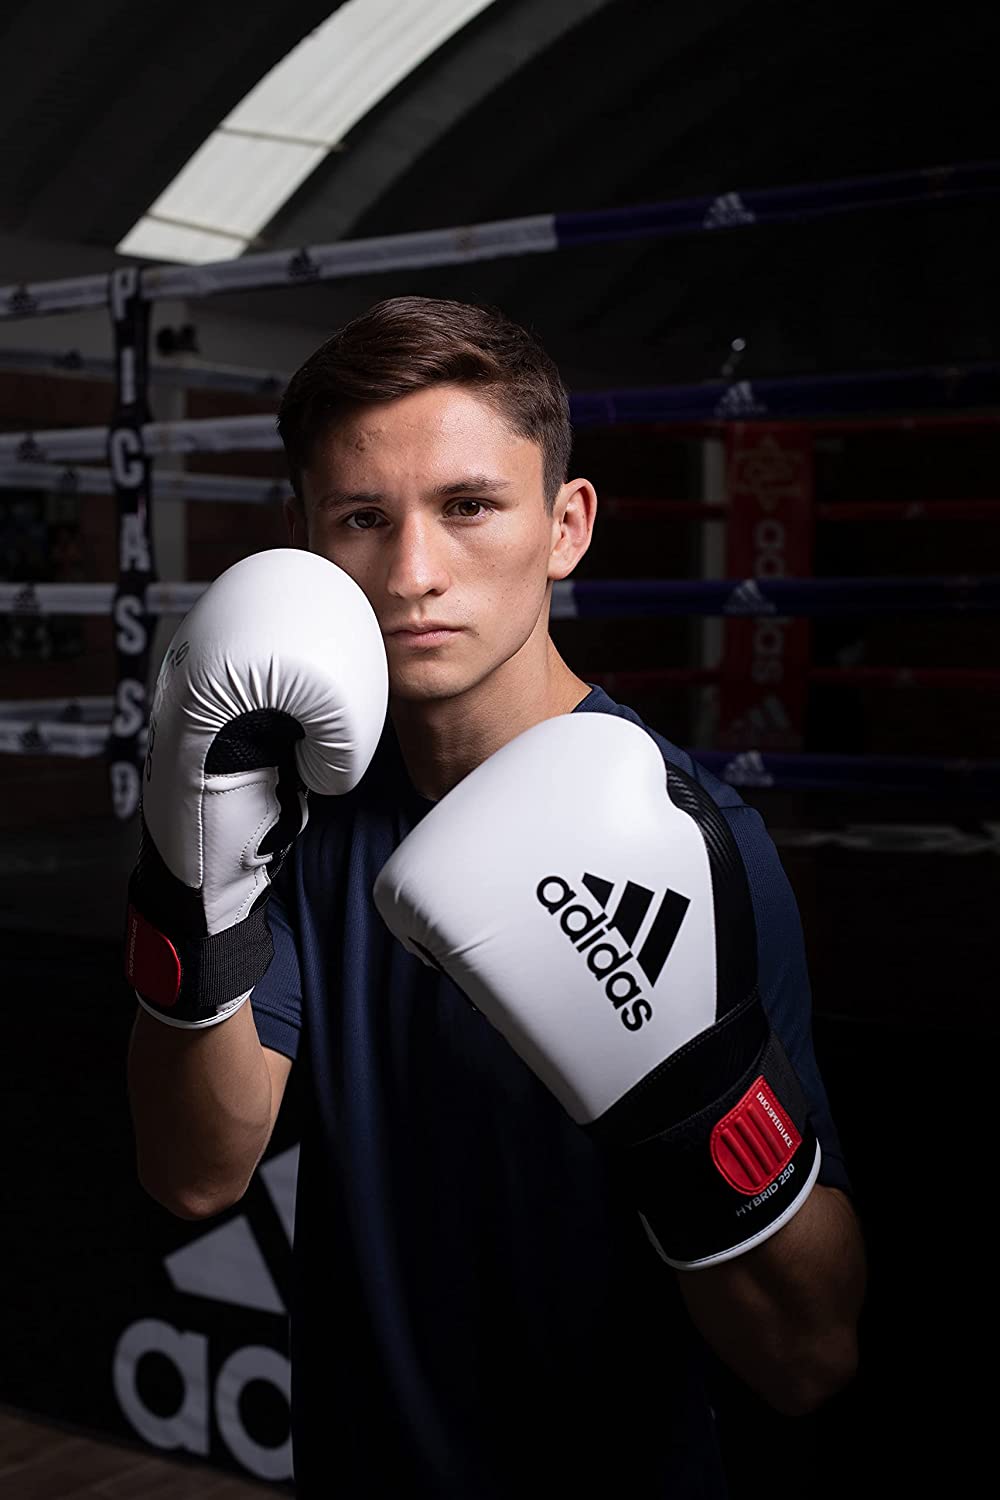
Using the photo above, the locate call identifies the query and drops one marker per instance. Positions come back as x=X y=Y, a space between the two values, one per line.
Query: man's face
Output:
x=437 y=510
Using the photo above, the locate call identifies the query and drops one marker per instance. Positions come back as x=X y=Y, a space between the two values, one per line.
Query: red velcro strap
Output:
x=151 y=962
x=752 y=1144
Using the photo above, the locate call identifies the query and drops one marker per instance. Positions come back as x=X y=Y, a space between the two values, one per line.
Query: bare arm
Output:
x=204 y=1103
x=784 y=1315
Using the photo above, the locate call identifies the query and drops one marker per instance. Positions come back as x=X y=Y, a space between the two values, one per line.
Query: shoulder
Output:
x=723 y=795
x=773 y=901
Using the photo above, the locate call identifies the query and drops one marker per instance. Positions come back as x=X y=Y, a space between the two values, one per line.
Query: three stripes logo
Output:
x=591 y=932
x=747 y=598
x=240 y=1395
x=740 y=400
x=747 y=769
x=727 y=211
x=302 y=267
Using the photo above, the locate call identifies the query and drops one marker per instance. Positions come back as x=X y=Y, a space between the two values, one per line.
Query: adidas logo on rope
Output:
x=747 y=769
x=727 y=211
x=747 y=599
x=302 y=267
x=740 y=400
x=604 y=959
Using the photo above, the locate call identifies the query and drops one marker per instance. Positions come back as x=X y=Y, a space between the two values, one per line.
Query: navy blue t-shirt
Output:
x=476 y=1312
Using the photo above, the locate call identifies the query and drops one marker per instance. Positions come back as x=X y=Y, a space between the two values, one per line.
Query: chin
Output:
x=430 y=687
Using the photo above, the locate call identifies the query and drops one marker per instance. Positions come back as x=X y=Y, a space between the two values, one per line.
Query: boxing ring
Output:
x=165 y=1350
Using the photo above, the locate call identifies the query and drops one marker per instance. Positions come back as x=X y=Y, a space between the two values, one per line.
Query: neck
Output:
x=444 y=739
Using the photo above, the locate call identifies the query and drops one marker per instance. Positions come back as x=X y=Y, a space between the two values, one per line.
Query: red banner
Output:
x=762 y=698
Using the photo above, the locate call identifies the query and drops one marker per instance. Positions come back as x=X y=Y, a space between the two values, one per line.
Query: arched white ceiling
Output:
x=290 y=121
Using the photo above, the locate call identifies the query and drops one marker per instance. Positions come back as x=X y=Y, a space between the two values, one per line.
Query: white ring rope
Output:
x=168 y=484
x=191 y=375
x=92 y=598
x=192 y=435
x=392 y=252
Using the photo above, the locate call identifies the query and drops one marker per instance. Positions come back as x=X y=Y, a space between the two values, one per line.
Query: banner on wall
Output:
x=130 y=467
x=205 y=1363
x=770 y=487
x=120 y=1318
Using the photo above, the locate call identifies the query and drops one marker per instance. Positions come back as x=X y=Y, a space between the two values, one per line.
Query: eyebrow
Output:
x=482 y=484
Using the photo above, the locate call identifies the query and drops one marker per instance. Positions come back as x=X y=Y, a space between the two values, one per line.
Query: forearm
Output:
x=784 y=1315
x=201 y=1109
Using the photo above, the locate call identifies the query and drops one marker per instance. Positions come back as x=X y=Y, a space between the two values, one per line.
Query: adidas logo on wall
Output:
x=224 y=1264
x=605 y=959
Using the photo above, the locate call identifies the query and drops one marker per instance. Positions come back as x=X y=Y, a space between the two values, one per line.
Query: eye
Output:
x=370 y=520
x=371 y=515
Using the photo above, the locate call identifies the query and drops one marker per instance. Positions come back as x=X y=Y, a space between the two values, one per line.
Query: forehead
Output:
x=428 y=430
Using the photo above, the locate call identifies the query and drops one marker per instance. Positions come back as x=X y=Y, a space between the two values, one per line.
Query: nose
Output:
x=416 y=564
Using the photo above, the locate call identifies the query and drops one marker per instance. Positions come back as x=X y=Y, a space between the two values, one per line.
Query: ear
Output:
x=295 y=521
x=573 y=517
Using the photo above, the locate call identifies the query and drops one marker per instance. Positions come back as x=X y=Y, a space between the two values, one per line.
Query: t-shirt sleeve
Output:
x=277 y=997
x=783 y=977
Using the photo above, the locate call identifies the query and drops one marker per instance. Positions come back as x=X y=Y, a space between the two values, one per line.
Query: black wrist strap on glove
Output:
x=716 y=1174
x=195 y=979
x=179 y=971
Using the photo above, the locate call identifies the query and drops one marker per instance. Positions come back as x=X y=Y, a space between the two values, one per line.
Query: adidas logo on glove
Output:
x=604 y=960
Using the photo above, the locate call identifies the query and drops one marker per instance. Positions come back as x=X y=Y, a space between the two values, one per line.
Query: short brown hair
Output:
x=407 y=343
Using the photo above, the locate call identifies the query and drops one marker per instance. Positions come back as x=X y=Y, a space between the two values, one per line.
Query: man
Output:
x=477 y=1309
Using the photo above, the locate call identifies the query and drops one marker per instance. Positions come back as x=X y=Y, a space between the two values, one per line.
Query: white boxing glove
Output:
x=591 y=902
x=274 y=685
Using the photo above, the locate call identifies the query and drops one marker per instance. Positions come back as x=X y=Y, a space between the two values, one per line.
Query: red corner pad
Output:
x=151 y=962
x=755 y=1141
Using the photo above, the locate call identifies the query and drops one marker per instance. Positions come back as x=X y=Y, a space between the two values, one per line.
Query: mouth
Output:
x=423 y=635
